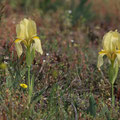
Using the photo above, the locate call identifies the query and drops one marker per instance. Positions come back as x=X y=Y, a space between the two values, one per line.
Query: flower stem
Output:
x=113 y=97
x=29 y=96
x=28 y=61
x=113 y=72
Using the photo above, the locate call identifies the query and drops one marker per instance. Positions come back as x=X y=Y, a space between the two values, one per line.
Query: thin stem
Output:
x=28 y=58
x=28 y=75
x=113 y=72
x=29 y=97
x=113 y=98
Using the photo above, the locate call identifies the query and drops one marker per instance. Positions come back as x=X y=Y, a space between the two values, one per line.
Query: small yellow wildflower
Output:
x=111 y=48
x=23 y=85
x=27 y=34
x=3 y=66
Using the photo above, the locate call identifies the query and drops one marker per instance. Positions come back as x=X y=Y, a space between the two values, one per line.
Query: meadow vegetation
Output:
x=65 y=81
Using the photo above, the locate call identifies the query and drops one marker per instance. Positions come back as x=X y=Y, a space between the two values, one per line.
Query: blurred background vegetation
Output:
x=78 y=9
x=68 y=83
x=84 y=10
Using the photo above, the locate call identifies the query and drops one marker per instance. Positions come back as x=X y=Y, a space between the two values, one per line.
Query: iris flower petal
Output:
x=18 y=47
x=100 y=60
x=37 y=45
x=118 y=57
x=32 y=28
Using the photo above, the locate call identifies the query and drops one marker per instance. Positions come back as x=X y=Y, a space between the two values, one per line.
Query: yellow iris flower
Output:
x=27 y=34
x=23 y=85
x=111 y=48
